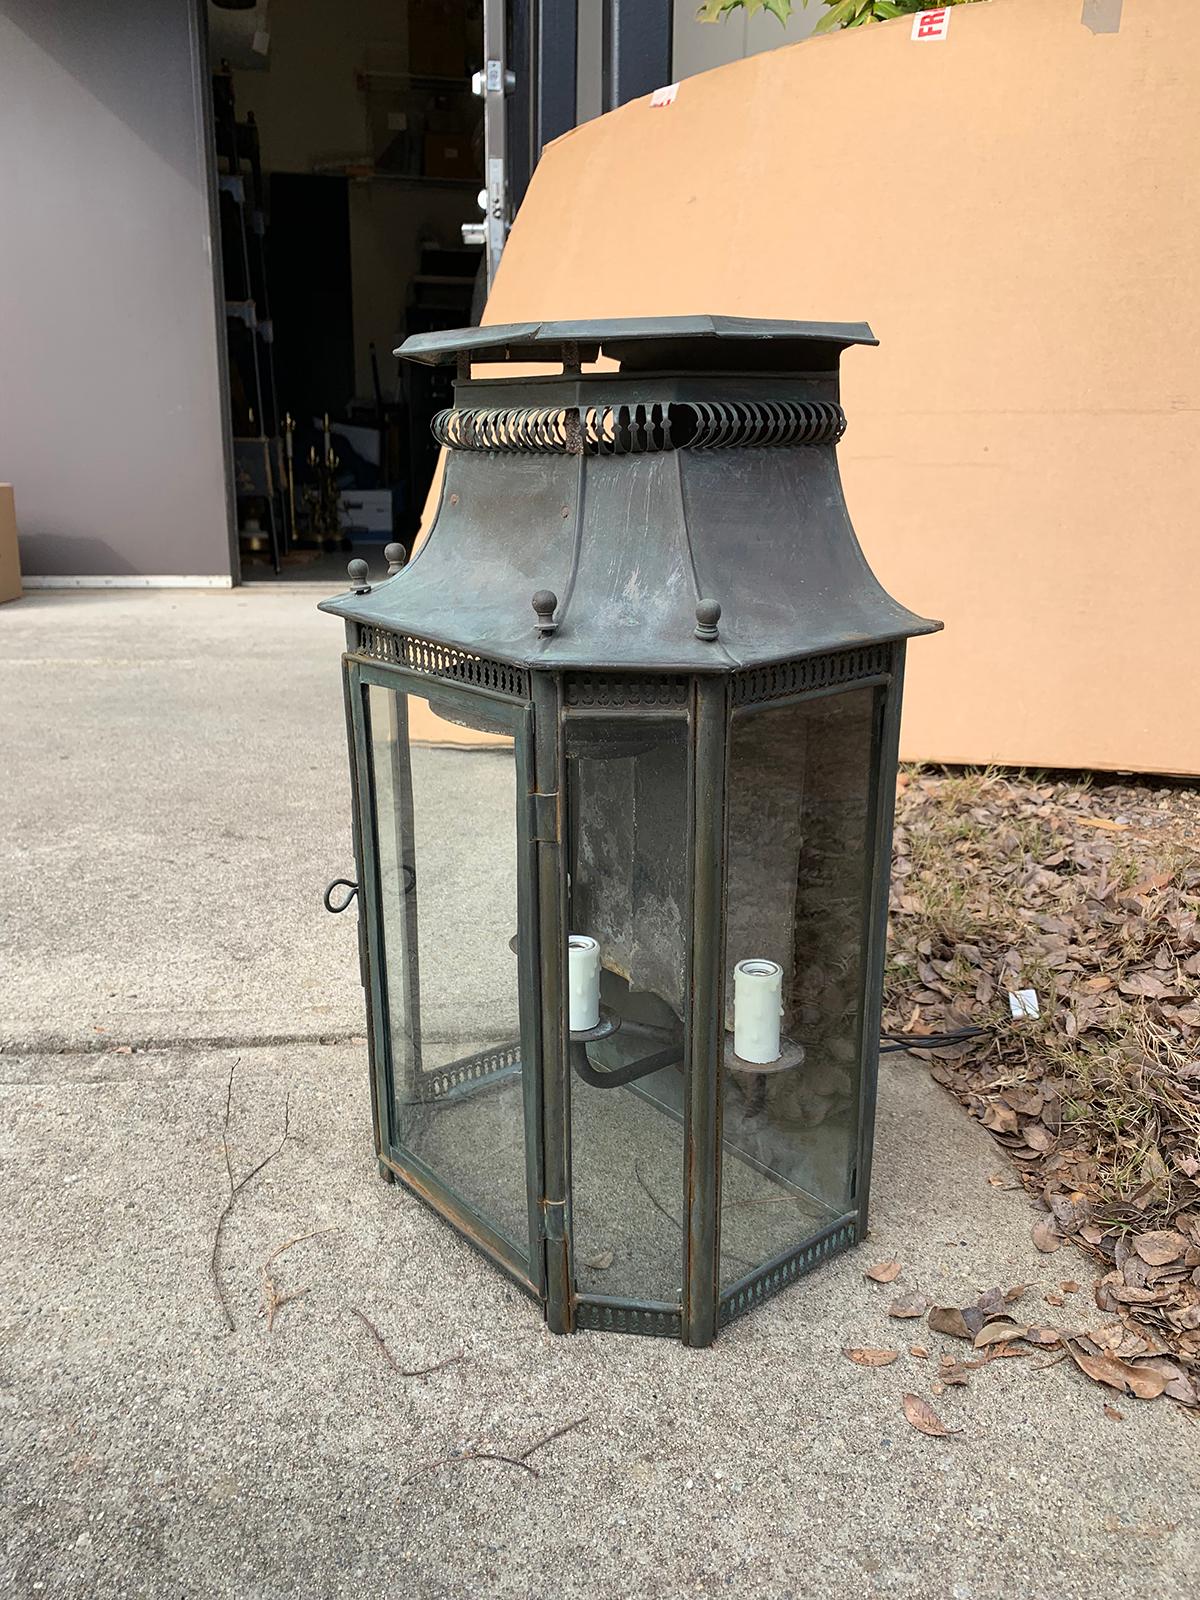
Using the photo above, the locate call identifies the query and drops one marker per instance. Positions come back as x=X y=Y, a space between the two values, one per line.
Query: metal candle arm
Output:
x=616 y=1076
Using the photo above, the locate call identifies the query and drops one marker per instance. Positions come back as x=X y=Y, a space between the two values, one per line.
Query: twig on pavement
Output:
x=272 y=1299
x=653 y=1198
x=567 y=1427
x=416 y=1372
x=235 y=1189
x=521 y=1460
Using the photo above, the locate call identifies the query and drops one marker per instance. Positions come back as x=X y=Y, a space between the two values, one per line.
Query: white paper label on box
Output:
x=665 y=97
x=932 y=24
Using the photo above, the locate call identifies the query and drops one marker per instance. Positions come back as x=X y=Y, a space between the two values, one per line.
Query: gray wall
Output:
x=110 y=410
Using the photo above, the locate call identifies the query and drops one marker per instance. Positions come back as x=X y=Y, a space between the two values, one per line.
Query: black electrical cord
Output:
x=927 y=1041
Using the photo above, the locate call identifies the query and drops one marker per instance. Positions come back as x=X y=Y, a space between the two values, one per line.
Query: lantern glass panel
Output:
x=628 y=864
x=445 y=799
x=799 y=869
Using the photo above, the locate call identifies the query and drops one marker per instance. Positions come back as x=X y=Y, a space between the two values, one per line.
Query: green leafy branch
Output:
x=838 y=14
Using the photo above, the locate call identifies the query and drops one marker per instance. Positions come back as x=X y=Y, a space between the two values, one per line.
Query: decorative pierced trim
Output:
x=628 y=430
x=640 y=429
x=543 y=430
x=602 y=1318
x=812 y=672
x=442 y=661
x=588 y=689
x=754 y=424
x=488 y=1065
x=752 y=1293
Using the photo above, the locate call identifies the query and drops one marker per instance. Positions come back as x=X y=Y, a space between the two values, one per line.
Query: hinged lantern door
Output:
x=804 y=920
x=628 y=784
x=443 y=792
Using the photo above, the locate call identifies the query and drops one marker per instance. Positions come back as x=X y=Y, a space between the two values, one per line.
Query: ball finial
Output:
x=359 y=576
x=393 y=554
x=545 y=603
x=708 y=614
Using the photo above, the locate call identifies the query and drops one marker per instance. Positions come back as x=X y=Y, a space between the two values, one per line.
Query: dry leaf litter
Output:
x=1088 y=894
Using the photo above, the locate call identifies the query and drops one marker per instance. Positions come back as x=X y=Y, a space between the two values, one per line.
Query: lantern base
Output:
x=791 y=1055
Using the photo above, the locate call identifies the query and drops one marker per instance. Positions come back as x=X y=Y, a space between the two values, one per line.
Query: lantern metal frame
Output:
x=537 y=691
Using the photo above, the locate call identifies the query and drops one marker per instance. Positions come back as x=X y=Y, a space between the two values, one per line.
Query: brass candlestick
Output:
x=321 y=497
x=289 y=428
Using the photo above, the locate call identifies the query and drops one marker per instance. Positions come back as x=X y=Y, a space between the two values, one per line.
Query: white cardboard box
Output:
x=366 y=510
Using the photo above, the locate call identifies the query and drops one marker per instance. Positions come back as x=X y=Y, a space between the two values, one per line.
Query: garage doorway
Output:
x=349 y=152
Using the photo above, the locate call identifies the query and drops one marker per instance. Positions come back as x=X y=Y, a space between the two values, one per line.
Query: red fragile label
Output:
x=932 y=24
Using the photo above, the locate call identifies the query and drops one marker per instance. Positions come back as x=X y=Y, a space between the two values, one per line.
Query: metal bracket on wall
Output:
x=493 y=85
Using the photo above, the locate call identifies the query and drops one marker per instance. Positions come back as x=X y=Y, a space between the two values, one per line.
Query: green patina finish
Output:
x=670 y=691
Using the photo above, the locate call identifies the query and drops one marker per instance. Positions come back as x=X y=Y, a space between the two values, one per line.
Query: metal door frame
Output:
x=528 y=1272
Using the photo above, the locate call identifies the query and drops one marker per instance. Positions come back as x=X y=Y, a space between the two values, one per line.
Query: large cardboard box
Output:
x=10 y=560
x=1015 y=208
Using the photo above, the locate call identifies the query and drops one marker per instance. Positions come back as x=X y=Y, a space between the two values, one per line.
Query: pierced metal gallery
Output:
x=623 y=745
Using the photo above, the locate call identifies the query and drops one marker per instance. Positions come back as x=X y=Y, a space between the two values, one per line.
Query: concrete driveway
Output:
x=174 y=799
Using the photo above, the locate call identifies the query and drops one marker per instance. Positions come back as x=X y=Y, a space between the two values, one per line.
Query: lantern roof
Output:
x=651 y=344
x=589 y=521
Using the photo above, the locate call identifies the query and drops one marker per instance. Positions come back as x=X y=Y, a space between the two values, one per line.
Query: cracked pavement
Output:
x=175 y=799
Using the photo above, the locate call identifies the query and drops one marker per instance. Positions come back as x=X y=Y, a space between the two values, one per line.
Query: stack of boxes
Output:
x=10 y=561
